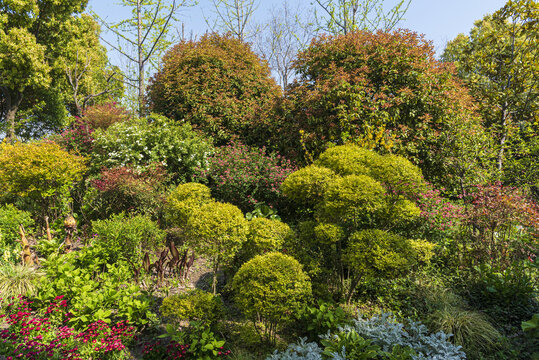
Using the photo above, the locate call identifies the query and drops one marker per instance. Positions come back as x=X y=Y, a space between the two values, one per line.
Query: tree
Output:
x=146 y=34
x=234 y=17
x=498 y=62
x=383 y=91
x=217 y=231
x=345 y=16
x=357 y=197
x=33 y=86
x=218 y=85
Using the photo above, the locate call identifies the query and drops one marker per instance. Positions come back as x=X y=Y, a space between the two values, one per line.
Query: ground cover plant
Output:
x=379 y=207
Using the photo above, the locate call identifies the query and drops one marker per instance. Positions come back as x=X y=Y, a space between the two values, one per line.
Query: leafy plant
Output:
x=194 y=305
x=321 y=319
x=246 y=176
x=271 y=288
x=128 y=237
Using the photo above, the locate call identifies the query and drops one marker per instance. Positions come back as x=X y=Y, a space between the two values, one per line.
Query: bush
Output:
x=17 y=280
x=140 y=143
x=265 y=236
x=102 y=116
x=195 y=305
x=77 y=138
x=218 y=85
x=216 y=231
x=40 y=172
x=128 y=237
x=246 y=176
x=125 y=189
x=308 y=185
x=182 y=200
x=271 y=288
x=383 y=90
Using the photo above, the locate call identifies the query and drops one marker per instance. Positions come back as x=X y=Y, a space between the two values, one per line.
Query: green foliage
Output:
x=183 y=199
x=497 y=62
x=128 y=237
x=532 y=326
x=216 y=231
x=193 y=305
x=42 y=45
x=17 y=280
x=41 y=172
x=321 y=319
x=308 y=185
x=218 y=85
x=10 y=219
x=379 y=253
x=262 y=210
x=271 y=288
x=265 y=235
x=351 y=344
x=142 y=142
x=402 y=100
x=94 y=289
x=245 y=176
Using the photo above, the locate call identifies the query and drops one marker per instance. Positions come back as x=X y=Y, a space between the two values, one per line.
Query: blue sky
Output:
x=439 y=20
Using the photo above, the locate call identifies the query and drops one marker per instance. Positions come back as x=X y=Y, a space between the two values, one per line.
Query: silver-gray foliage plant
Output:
x=385 y=332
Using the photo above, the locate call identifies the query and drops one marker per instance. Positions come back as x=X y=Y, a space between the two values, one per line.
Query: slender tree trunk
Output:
x=13 y=100
x=503 y=139
x=140 y=61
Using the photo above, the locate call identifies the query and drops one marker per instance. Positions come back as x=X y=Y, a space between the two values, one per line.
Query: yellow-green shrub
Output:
x=39 y=171
x=193 y=305
x=307 y=186
x=347 y=160
x=271 y=288
x=182 y=200
x=265 y=235
x=216 y=231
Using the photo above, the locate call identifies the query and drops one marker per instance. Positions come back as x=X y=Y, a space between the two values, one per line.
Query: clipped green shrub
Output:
x=216 y=231
x=308 y=185
x=142 y=142
x=271 y=288
x=193 y=305
x=128 y=237
x=183 y=199
x=265 y=235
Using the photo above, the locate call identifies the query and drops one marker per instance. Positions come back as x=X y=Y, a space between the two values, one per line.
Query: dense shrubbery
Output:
x=195 y=305
x=218 y=85
x=140 y=143
x=246 y=176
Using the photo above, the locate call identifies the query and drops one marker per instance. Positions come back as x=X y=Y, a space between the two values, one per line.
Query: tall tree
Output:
x=38 y=40
x=499 y=61
x=144 y=37
x=234 y=17
x=344 y=16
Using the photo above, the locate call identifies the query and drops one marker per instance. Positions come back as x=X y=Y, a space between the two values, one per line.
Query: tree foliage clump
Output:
x=40 y=172
x=218 y=85
x=361 y=211
x=146 y=141
x=271 y=288
x=383 y=91
x=183 y=200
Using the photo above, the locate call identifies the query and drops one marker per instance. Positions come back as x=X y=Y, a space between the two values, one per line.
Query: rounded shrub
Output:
x=271 y=287
x=195 y=305
x=265 y=235
x=217 y=84
x=308 y=185
x=183 y=199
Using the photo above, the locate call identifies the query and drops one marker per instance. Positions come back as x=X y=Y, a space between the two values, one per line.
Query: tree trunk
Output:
x=140 y=61
x=12 y=101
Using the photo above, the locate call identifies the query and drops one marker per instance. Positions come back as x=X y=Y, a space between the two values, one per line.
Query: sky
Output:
x=439 y=20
